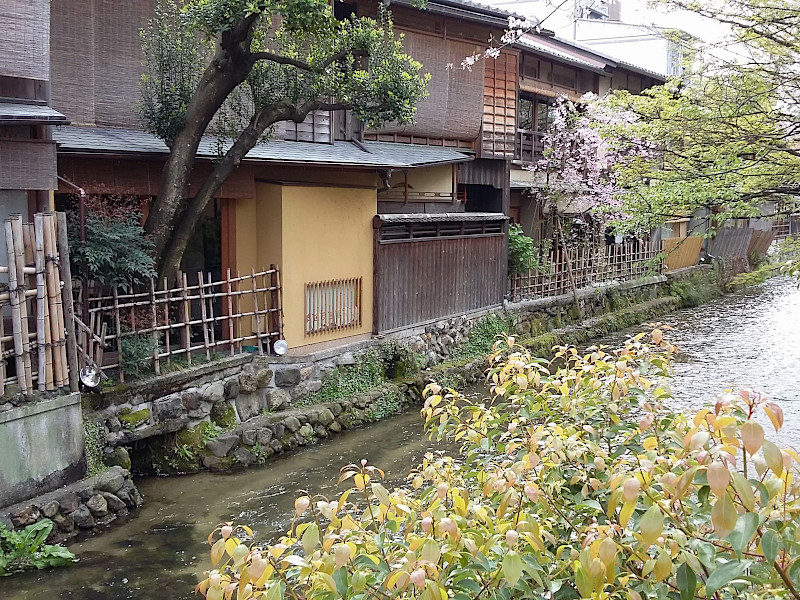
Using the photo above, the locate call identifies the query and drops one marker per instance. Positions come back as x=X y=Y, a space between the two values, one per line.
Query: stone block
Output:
x=306 y=431
x=221 y=445
x=277 y=399
x=320 y=431
x=249 y=437
x=168 y=409
x=191 y=399
x=244 y=457
x=97 y=505
x=201 y=412
x=335 y=408
x=287 y=377
x=264 y=436
x=111 y=481
x=115 y=505
x=64 y=523
x=247 y=381
x=213 y=392
x=305 y=388
x=291 y=423
x=83 y=518
x=325 y=417
x=335 y=427
x=232 y=388
x=69 y=502
x=278 y=430
x=263 y=377
x=26 y=516
x=346 y=359
x=276 y=446
x=249 y=405
x=50 y=509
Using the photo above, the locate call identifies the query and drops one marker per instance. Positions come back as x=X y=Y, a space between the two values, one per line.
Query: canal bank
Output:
x=747 y=338
x=224 y=417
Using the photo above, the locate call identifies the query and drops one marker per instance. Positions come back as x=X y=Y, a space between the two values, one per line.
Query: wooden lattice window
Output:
x=333 y=305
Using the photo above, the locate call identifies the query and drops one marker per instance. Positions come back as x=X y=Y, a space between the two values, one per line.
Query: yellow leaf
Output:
x=650 y=443
x=217 y=550
x=663 y=567
x=723 y=516
x=230 y=545
x=626 y=512
x=752 y=437
x=775 y=414
x=773 y=457
x=744 y=489
x=718 y=477
x=651 y=525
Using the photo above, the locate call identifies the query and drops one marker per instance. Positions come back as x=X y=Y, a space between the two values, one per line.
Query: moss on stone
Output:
x=224 y=415
x=132 y=420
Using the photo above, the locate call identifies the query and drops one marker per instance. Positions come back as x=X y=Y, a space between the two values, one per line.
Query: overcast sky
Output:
x=633 y=11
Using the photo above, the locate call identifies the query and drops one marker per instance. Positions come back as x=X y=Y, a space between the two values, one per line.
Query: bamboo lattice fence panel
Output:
x=584 y=265
x=35 y=324
x=201 y=318
x=681 y=252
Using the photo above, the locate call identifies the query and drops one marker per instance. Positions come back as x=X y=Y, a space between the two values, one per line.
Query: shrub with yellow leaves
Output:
x=574 y=481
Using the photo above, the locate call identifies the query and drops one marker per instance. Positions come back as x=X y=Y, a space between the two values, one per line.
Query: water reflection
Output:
x=749 y=339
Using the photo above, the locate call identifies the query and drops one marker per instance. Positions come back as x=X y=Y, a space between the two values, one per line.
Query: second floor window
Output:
x=535 y=113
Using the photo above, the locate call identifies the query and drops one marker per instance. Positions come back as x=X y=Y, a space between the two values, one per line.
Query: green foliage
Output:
x=344 y=381
x=210 y=431
x=573 y=481
x=387 y=404
x=482 y=336
x=116 y=252
x=136 y=356
x=25 y=550
x=696 y=290
x=132 y=420
x=95 y=440
x=521 y=251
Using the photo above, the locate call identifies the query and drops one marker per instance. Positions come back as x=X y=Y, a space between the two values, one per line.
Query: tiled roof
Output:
x=467 y=9
x=101 y=140
x=566 y=52
x=440 y=217
x=22 y=113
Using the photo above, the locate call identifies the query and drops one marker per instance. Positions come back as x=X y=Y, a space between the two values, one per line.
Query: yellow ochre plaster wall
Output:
x=313 y=233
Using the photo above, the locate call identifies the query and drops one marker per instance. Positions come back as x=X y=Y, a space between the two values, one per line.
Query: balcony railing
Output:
x=528 y=145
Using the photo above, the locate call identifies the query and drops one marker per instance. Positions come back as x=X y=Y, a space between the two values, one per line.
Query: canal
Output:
x=750 y=339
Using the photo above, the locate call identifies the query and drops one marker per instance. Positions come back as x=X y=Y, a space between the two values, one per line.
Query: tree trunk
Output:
x=262 y=119
x=228 y=69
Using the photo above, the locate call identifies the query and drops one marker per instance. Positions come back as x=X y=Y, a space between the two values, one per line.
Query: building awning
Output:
x=21 y=113
x=440 y=217
x=386 y=155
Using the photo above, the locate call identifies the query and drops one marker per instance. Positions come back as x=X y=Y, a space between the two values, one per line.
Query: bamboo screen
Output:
x=25 y=43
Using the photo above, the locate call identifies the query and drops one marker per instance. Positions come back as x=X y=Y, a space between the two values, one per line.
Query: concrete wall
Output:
x=41 y=448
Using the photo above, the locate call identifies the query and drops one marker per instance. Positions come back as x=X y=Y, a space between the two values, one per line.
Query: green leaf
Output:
x=723 y=516
x=770 y=544
x=706 y=553
x=724 y=574
x=651 y=525
x=512 y=568
x=687 y=581
x=310 y=539
x=746 y=525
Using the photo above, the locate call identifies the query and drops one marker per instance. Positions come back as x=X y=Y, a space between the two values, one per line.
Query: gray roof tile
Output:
x=13 y=112
x=104 y=140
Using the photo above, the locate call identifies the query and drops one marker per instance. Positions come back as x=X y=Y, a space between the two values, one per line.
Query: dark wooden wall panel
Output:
x=422 y=280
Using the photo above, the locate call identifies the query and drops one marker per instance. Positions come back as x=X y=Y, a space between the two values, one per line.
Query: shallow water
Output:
x=750 y=339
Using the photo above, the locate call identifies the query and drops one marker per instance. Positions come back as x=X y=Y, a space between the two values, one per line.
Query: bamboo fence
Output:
x=562 y=271
x=185 y=320
x=41 y=339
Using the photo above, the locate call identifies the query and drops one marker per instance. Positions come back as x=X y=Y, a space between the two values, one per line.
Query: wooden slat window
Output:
x=333 y=305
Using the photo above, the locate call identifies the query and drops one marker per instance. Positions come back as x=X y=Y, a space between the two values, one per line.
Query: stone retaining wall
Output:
x=87 y=506
x=174 y=425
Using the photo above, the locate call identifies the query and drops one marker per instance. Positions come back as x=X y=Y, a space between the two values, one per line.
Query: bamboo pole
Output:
x=187 y=332
x=154 y=322
x=118 y=325
x=257 y=313
x=41 y=311
x=57 y=325
x=16 y=280
x=168 y=330
x=211 y=312
x=203 y=313
x=230 y=313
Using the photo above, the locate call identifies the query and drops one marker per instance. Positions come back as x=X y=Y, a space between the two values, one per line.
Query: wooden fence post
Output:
x=44 y=350
x=69 y=308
